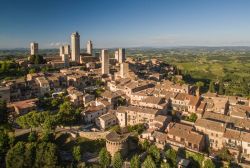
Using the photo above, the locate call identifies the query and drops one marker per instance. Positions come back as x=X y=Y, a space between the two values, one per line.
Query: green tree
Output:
x=47 y=136
x=67 y=114
x=211 y=87
x=192 y=118
x=32 y=70
x=30 y=154
x=165 y=165
x=145 y=145
x=46 y=155
x=135 y=162
x=35 y=119
x=32 y=59
x=224 y=154
x=76 y=153
x=28 y=120
x=3 y=112
x=155 y=153
x=39 y=59
x=208 y=163
x=4 y=144
x=104 y=158
x=149 y=163
x=117 y=160
x=171 y=156
x=32 y=136
x=15 y=156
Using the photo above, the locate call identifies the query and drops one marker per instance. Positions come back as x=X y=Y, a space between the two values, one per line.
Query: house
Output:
x=178 y=88
x=201 y=109
x=159 y=139
x=18 y=89
x=76 y=96
x=139 y=115
x=154 y=102
x=232 y=141
x=87 y=98
x=95 y=110
x=106 y=120
x=213 y=130
x=136 y=86
x=53 y=81
x=33 y=76
x=245 y=138
x=240 y=111
x=121 y=115
x=193 y=104
x=43 y=84
x=220 y=105
x=112 y=97
x=25 y=106
x=182 y=135
x=160 y=122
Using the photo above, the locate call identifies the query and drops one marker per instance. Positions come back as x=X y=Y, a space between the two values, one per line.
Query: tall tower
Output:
x=90 y=47
x=61 y=50
x=105 y=62
x=66 y=49
x=122 y=56
x=33 y=48
x=75 y=45
x=65 y=59
x=117 y=55
x=124 y=67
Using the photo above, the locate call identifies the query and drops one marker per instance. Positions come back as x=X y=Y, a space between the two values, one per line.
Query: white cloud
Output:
x=57 y=44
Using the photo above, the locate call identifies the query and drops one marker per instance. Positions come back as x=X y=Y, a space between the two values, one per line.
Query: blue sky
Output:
x=125 y=23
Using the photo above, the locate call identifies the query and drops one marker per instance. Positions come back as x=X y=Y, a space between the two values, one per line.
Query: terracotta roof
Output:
x=107 y=116
x=25 y=103
x=193 y=100
x=159 y=135
x=245 y=136
x=153 y=100
x=184 y=131
x=113 y=136
x=161 y=118
x=142 y=110
x=232 y=134
x=108 y=94
x=211 y=125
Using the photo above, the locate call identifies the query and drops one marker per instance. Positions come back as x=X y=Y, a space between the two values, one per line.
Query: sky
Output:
x=125 y=23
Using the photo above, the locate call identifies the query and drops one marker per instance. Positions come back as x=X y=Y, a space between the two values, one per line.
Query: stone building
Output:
x=105 y=62
x=33 y=48
x=75 y=47
x=90 y=47
x=117 y=143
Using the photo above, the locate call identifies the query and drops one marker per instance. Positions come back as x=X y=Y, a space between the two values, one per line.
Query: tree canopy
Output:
x=135 y=162
x=32 y=155
x=117 y=160
x=149 y=163
x=104 y=158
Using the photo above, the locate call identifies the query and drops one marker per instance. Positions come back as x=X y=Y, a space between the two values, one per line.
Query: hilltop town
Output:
x=117 y=110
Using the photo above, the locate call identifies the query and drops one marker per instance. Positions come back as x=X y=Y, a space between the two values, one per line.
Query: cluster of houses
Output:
x=147 y=97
